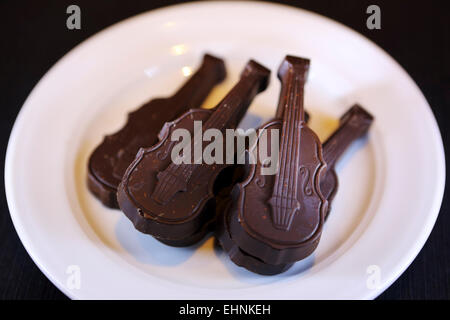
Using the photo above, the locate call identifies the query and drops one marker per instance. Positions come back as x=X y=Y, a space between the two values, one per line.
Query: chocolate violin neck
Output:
x=353 y=125
x=228 y=112
x=253 y=80
x=196 y=89
x=284 y=201
x=293 y=71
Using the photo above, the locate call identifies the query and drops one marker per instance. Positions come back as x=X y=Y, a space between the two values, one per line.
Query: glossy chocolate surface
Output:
x=110 y=159
x=278 y=218
x=354 y=124
x=174 y=202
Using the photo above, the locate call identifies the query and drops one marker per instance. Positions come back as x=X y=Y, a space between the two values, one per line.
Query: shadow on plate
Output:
x=244 y=275
x=148 y=250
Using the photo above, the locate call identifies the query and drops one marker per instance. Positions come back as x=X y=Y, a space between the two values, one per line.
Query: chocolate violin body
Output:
x=110 y=159
x=278 y=218
x=174 y=200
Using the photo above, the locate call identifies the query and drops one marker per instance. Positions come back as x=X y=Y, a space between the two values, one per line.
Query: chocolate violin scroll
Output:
x=174 y=201
x=353 y=125
x=280 y=220
x=110 y=159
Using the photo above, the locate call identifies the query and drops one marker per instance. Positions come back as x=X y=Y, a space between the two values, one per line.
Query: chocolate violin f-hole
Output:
x=177 y=199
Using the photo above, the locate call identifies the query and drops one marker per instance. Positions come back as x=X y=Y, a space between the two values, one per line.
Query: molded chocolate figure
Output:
x=108 y=162
x=278 y=218
x=175 y=202
x=354 y=124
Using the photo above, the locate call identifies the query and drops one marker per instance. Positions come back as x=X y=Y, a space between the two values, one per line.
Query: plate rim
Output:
x=406 y=260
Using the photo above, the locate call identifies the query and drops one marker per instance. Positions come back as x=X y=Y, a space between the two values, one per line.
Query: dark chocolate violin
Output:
x=353 y=125
x=110 y=159
x=175 y=202
x=278 y=218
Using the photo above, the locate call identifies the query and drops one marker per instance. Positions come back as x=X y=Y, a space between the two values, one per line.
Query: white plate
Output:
x=390 y=192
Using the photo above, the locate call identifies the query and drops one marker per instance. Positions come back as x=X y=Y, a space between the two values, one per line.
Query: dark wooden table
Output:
x=34 y=36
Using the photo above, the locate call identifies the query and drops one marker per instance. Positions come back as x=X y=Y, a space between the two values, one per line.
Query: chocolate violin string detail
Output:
x=175 y=202
x=110 y=159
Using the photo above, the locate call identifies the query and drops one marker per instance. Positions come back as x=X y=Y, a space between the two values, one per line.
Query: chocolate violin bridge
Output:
x=284 y=209
x=169 y=183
